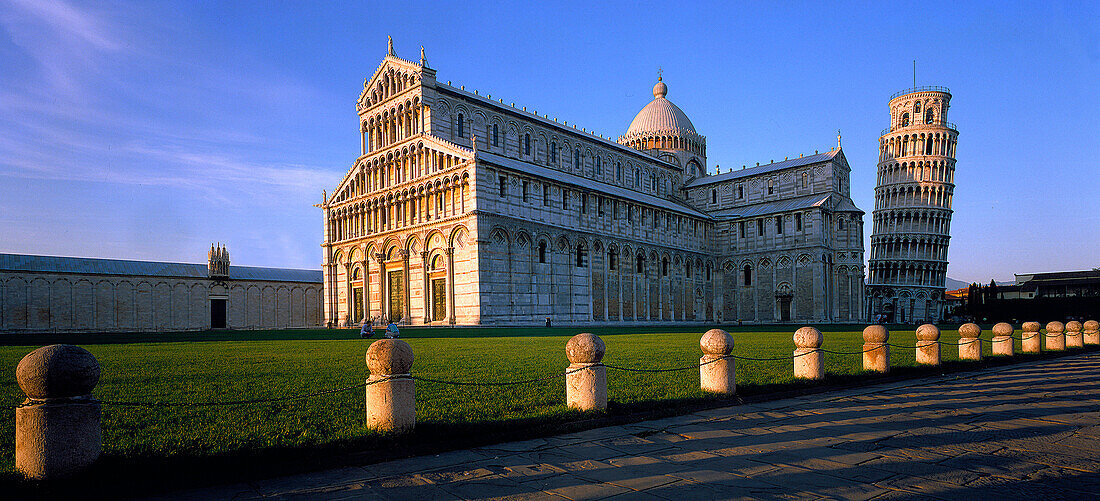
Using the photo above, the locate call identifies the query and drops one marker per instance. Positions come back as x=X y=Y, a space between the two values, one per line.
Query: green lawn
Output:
x=254 y=439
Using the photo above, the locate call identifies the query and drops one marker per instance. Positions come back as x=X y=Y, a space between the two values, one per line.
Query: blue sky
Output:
x=149 y=130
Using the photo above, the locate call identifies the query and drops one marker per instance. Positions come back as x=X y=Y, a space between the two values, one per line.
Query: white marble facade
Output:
x=465 y=210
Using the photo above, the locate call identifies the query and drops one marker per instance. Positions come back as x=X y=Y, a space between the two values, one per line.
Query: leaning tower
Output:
x=912 y=216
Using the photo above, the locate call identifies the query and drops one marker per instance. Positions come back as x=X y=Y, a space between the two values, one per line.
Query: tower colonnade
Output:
x=914 y=194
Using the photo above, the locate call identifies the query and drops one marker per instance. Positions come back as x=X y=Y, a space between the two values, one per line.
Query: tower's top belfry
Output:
x=920 y=106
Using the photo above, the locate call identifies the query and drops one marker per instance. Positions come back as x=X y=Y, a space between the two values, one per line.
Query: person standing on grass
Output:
x=392 y=332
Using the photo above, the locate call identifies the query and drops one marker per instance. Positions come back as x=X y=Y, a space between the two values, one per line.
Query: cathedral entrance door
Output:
x=397 y=295
x=357 y=307
x=785 y=308
x=439 y=299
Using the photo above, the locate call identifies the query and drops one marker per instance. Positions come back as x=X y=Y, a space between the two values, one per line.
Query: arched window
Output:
x=577 y=158
x=612 y=260
x=461 y=126
x=664 y=267
x=582 y=257
x=542 y=251
x=637 y=178
x=553 y=152
x=619 y=171
x=916 y=108
x=526 y=144
x=748 y=275
x=437 y=263
x=640 y=264
x=928 y=116
x=905 y=119
x=713 y=196
x=708 y=272
x=496 y=135
x=598 y=165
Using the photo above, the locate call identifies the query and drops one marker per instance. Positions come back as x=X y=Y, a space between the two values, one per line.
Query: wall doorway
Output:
x=217 y=314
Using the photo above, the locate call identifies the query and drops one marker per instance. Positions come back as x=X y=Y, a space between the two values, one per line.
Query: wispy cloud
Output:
x=66 y=42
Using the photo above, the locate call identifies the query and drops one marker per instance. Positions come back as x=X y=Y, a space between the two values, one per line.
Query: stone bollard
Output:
x=391 y=402
x=1030 y=339
x=1056 y=336
x=1092 y=332
x=970 y=344
x=717 y=372
x=876 y=353
x=1074 y=339
x=57 y=430
x=586 y=377
x=928 y=346
x=809 y=361
x=1002 y=339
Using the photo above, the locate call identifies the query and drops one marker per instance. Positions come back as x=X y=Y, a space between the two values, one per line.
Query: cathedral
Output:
x=465 y=210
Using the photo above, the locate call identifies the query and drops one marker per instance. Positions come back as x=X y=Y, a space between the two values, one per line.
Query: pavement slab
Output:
x=1030 y=430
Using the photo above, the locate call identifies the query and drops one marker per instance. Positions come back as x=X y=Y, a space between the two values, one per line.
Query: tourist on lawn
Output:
x=367 y=330
x=392 y=332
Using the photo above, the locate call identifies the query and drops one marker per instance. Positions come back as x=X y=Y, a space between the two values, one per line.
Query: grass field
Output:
x=249 y=439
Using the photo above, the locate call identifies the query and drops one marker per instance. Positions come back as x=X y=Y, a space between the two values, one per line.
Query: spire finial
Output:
x=423 y=61
x=838 y=139
x=660 y=89
x=390 y=40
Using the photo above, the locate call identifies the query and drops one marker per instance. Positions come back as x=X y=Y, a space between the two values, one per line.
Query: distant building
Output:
x=953 y=300
x=462 y=209
x=1038 y=296
x=907 y=269
x=1059 y=284
x=74 y=294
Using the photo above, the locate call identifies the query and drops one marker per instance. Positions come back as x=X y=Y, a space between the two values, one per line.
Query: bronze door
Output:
x=397 y=295
x=357 y=297
x=439 y=299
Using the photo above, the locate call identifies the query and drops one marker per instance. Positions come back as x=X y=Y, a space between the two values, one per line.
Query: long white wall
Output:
x=53 y=302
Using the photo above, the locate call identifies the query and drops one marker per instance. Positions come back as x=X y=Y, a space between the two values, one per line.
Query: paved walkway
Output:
x=1024 y=431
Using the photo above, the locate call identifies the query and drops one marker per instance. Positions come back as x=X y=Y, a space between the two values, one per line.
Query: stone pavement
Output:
x=1024 y=431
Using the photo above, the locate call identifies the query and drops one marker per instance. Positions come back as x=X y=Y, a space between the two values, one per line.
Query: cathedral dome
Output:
x=663 y=127
x=660 y=115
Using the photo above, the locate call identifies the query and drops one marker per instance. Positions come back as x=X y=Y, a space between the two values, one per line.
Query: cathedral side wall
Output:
x=54 y=302
x=529 y=271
